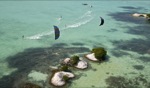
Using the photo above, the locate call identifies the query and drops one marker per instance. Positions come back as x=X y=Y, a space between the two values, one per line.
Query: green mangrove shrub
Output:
x=65 y=78
x=148 y=15
x=99 y=53
x=64 y=68
x=74 y=60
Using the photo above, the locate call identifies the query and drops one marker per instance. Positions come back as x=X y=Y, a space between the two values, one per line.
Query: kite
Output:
x=102 y=21
x=57 y=32
x=84 y=4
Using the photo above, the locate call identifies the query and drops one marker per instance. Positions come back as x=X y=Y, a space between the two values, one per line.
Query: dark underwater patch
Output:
x=38 y=59
x=119 y=53
x=77 y=44
x=122 y=82
x=112 y=30
x=138 y=67
x=140 y=46
x=136 y=45
x=128 y=7
x=2 y=33
x=60 y=45
x=132 y=8
x=97 y=44
x=143 y=30
x=144 y=59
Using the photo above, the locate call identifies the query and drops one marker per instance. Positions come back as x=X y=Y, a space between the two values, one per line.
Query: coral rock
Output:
x=57 y=79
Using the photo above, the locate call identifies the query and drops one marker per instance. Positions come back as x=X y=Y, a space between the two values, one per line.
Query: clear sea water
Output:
x=125 y=38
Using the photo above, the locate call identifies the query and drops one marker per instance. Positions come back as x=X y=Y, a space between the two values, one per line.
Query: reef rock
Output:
x=58 y=78
x=75 y=61
x=91 y=57
x=141 y=15
x=66 y=60
x=138 y=15
x=82 y=64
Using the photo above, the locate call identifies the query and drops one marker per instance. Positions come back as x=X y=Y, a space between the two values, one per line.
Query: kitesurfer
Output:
x=57 y=32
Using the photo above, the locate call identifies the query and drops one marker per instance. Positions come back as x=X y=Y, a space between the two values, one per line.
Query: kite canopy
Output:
x=57 y=32
x=102 y=21
x=84 y=4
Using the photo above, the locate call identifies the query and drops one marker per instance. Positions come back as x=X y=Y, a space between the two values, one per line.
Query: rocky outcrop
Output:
x=59 y=78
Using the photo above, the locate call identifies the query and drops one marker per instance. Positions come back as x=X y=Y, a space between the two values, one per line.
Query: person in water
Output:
x=60 y=18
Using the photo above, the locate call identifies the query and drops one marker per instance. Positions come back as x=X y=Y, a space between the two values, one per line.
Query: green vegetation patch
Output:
x=99 y=53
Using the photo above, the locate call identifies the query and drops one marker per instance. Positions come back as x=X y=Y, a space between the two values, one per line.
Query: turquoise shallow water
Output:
x=125 y=38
